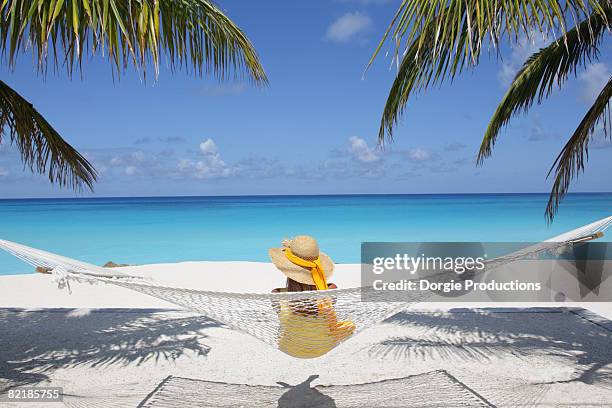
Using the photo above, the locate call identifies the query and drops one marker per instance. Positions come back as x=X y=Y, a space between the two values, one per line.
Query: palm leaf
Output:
x=543 y=70
x=42 y=149
x=438 y=39
x=575 y=153
x=193 y=34
x=413 y=76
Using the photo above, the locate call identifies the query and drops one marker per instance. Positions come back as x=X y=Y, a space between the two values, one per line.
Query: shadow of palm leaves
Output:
x=485 y=334
x=414 y=348
x=100 y=338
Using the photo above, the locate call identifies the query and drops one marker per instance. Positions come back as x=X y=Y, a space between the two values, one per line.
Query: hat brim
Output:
x=296 y=272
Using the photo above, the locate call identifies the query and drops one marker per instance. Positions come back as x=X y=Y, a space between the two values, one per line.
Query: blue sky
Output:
x=313 y=129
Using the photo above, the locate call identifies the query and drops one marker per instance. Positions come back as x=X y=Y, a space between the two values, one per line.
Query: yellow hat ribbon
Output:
x=316 y=268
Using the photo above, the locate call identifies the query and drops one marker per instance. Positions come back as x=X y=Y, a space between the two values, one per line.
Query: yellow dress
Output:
x=309 y=336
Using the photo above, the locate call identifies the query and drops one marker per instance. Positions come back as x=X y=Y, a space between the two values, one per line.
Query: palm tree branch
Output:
x=573 y=156
x=543 y=70
x=193 y=34
x=493 y=19
x=441 y=37
x=421 y=68
x=42 y=149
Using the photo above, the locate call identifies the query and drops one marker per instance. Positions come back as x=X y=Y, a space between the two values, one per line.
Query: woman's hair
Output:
x=295 y=286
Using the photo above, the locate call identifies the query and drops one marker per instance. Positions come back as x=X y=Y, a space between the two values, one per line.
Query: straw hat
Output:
x=306 y=248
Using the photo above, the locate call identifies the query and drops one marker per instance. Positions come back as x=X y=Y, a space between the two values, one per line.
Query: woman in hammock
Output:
x=309 y=324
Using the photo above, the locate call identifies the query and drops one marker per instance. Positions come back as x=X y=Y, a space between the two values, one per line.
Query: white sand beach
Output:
x=252 y=277
x=109 y=346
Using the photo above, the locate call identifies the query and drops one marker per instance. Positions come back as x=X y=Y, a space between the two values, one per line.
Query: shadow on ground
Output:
x=34 y=344
x=430 y=389
x=303 y=395
x=486 y=334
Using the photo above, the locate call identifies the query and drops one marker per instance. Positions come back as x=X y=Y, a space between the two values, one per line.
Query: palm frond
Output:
x=192 y=34
x=575 y=153
x=438 y=39
x=413 y=76
x=42 y=149
x=546 y=68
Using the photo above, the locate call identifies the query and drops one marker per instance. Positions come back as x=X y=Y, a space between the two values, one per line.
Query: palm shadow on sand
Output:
x=487 y=334
x=36 y=343
x=303 y=395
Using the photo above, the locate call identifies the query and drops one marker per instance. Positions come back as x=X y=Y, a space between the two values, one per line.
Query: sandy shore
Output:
x=37 y=290
x=106 y=356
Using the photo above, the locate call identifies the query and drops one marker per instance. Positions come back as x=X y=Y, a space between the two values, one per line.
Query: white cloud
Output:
x=208 y=146
x=348 y=27
x=116 y=161
x=212 y=167
x=520 y=52
x=3 y=172
x=593 y=79
x=209 y=166
x=184 y=164
x=360 y=150
x=125 y=158
x=418 y=154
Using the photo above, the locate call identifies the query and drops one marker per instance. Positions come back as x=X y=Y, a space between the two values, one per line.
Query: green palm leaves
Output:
x=192 y=34
x=574 y=154
x=435 y=40
x=42 y=149
x=535 y=81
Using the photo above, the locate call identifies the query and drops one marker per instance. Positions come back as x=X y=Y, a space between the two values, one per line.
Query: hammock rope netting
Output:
x=301 y=324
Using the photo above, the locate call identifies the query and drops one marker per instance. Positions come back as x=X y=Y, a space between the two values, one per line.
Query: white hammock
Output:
x=301 y=324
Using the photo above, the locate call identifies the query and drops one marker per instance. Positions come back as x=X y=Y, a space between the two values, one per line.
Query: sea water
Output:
x=173 y=229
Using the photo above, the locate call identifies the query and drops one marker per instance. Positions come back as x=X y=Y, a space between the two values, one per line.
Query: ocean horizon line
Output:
x=582 y=193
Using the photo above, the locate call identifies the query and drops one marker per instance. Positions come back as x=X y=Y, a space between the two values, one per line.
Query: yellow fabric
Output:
x=307 y=336
x=316 y=269
x=304 y=336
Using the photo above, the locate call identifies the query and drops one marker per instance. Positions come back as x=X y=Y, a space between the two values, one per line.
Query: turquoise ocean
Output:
x=172 y=229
